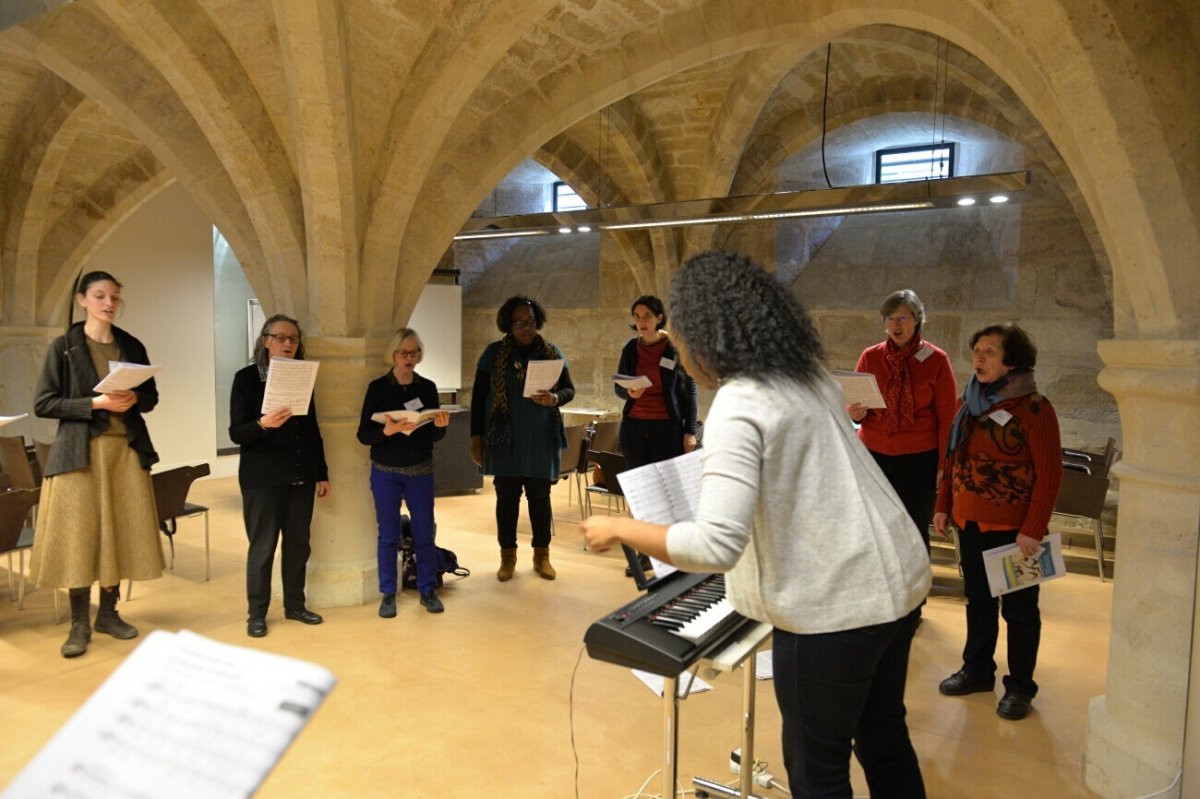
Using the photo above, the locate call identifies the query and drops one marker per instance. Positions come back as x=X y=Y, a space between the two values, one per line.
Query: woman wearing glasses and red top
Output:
x=282 y=467
x=402 y=467
x=908 y=437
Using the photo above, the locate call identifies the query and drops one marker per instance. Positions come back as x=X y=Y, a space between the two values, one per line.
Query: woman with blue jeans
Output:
x=402 y=467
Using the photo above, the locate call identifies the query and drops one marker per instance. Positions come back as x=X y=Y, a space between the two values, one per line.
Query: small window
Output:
x=914 y=163
x=565 y=198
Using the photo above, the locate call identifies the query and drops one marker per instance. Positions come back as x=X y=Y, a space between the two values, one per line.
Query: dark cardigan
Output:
x=287 y=455
x=64 y=392
x=679 y=389
x=386 y=394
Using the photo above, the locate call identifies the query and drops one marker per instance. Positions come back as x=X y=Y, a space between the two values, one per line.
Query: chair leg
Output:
x=129 y=590
x=1099 y=531
x=21 y=591
x=579 y=491
x=207 y=558
x=10 y=578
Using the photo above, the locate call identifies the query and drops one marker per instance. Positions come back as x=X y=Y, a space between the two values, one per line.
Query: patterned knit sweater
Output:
x=1006 y=476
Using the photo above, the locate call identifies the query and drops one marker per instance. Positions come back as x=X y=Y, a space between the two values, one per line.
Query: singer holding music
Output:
x=812 y=536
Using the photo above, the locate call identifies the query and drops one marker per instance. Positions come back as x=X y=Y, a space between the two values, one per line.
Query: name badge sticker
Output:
x=923 y=353
x=1000 y=417
x=414 y=404
x=667 y=363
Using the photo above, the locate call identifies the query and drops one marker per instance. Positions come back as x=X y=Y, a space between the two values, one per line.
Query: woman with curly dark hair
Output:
x=517 y=439
x=1003 y=471
x=814 y=539
x=659 y=421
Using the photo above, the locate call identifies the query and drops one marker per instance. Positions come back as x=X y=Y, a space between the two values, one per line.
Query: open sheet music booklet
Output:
x=1009 y=569
x=664 y=493
x=419 y=418
x=185 y=717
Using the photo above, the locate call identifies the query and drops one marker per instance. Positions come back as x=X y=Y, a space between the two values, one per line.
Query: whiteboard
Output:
x=438 y=320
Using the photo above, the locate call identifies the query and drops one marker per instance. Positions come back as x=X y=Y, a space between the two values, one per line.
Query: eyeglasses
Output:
x=409 y=353
x=897 y=320
x=523 y=324
x=282 y=339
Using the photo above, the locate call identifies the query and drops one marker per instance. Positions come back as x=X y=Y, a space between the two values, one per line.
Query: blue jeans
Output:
x=389 y=491
x=842 y=692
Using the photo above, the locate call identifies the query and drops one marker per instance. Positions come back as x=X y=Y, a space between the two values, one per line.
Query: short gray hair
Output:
x=908 y=298
x=397 y=339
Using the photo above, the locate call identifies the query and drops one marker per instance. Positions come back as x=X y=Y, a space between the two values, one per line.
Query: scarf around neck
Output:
x=978 y=399
x=898 y=393
x=500 y=425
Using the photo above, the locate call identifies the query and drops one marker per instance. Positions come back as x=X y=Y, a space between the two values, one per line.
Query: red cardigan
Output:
x=1006 y=477
x=935 y=397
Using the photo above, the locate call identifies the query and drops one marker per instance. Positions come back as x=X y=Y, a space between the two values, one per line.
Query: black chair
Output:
x=15 y=534
x=14 y=461
x=607 y=437
x=611 y=464
x=572 y=455
x=1097 y=463
x=170 y=496
x=1082 y=496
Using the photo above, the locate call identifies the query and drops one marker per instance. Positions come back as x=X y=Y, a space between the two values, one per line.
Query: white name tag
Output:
x=667 y=363
x=414 y=404
x=924 y=353
x=1000 y=417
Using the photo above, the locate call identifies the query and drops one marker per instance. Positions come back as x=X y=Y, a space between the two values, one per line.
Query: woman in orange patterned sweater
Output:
x=1003 y=471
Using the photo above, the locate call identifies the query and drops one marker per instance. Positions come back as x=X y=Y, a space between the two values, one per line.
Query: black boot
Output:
x=81 y=624
x=107 y=620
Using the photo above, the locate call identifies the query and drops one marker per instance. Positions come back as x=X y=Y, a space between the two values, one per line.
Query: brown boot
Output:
x=541 y=563
x=508 y=564
x=81 y=623
x=107 y=620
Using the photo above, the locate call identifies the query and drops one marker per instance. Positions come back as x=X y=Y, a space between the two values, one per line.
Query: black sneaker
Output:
x=387 y=606
x=961 y=683
x=1014 y=706
x=432 y=603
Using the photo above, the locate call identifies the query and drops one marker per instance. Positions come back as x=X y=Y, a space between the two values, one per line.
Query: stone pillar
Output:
x=1136 y=730
x=22 y=352
x=342 y=569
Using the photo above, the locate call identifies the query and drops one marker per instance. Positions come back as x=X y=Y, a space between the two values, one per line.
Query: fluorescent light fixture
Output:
x=914 y=195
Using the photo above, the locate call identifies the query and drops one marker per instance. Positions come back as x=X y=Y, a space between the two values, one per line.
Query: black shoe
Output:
x=387 y=606
x=960 y=683
x=432 y=603
x=256 y=628
x=1014 y=706
x=303 y=614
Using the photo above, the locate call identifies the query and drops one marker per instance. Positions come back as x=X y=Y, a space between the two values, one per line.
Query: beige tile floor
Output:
x=493 y=698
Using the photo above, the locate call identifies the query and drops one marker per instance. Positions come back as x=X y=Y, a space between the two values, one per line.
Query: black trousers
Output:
x=269 y=513
x=649 y=441
x=914 y=476
x=508 y=508
x=1019 y=609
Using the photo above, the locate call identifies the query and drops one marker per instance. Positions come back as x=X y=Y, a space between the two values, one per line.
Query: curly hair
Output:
x=655 y=306
x=735 y=319
x=504 y=315
x=1019 y=349
x=261 y=356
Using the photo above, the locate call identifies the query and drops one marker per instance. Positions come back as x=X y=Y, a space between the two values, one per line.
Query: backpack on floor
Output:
x=447 y=561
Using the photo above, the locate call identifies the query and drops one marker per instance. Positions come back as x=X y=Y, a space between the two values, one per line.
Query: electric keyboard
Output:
x=669 y=628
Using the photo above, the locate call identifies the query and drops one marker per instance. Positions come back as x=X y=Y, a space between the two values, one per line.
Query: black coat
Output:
x=293 y=453
x=64 y=392
x=678 y=387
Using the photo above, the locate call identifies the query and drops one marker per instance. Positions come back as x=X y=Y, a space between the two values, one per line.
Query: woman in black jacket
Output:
x=658 y=422
x=282 y=466
x=402 y=466
x=97 y=520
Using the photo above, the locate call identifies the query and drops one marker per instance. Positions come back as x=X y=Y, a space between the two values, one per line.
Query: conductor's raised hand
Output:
x=276 y=418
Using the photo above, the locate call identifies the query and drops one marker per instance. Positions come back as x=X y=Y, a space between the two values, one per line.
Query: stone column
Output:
x=342 y=569
x=22 y=352
x=1136 y=730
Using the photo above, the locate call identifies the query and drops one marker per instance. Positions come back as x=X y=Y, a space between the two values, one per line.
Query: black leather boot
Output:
x=81 y=624
x=107 y=620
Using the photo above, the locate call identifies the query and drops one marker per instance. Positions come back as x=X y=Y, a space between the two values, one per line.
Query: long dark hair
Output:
x=735 y=319
x=261 y=356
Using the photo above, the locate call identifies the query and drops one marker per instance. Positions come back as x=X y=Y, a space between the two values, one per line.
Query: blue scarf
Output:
x=978 y=399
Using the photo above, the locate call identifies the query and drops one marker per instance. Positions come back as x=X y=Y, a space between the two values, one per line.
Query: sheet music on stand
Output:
x=184 y=716
x=664 y=493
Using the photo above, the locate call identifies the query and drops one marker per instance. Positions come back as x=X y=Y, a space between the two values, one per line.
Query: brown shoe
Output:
x=541 y=563
x=508 y=564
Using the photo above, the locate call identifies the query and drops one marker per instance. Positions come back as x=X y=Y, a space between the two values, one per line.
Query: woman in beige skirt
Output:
x=97 y=521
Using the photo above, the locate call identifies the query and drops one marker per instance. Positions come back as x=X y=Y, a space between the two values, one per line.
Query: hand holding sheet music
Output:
x=632 y=381
x=541 y=376
x=1009 y=569
x=290 y=385
x=418 y=418
x=125 y=376
x=859 y=387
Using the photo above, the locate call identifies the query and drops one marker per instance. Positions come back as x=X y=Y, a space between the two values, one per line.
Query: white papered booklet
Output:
x=1009 y=569
x=664 y=493
x=419 y=418
x=125 y=376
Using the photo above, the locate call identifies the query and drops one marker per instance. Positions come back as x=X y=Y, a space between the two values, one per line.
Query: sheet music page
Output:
x=184 y=716
x=8 y=419
x=541 y=376
x=125 y=376
x=859 y=387
x=665 y=492
x=290 y=385
x=632 y=381
x=419 y=418
x=684 y=685
x=1009 y=569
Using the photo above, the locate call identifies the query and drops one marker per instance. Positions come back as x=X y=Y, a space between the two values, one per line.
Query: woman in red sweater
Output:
x=908 y=437
x=1004 y=469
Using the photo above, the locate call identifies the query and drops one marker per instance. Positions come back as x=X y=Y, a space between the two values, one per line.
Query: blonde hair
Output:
x=393 y=345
